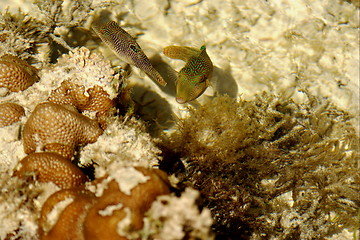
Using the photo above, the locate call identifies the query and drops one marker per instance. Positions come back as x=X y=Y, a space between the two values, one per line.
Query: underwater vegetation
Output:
x=270 y=167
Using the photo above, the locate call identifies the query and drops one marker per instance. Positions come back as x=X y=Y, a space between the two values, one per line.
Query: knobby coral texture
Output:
x=269 y=149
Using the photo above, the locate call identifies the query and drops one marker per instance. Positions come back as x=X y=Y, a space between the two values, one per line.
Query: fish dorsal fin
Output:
x=181 y=52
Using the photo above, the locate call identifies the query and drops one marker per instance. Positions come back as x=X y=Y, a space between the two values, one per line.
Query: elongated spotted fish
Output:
x=126 y=48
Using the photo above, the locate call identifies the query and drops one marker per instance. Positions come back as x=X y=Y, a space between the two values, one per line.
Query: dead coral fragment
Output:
x=245 y=156
x=10 y=113
x=51 y=167
x=21 y=35
x=119 y=213
x=56 y=128
x=16 y=74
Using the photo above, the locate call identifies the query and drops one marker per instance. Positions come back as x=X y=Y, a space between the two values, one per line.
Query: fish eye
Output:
x=203 y=78
x=134 y=48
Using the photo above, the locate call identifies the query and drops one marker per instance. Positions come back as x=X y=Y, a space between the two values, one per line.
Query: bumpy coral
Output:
x=51 y=167
x=10 y=113
x=73 y=94
x=16 y=74
x=58 y=128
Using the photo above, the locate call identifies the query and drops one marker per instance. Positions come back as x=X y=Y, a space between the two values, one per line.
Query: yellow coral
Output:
x=104 y=219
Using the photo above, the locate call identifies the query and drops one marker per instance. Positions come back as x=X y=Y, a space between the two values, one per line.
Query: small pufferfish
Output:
x=126 y=48
x=193 y=78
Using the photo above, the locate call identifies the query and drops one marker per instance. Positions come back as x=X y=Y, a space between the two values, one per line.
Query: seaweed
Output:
x=270 y=167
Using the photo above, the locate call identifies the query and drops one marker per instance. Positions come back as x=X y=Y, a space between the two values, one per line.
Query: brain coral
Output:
x=58 y=128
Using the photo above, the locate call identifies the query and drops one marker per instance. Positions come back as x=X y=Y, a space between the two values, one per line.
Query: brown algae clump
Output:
x=269 y=167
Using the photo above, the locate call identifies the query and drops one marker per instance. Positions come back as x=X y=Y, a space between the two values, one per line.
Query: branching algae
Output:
x=270 y=167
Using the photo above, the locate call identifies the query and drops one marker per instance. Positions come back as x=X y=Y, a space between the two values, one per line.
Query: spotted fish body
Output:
x=127 y=49
x=193 y=78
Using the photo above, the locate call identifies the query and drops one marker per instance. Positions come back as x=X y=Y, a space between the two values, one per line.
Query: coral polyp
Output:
x=96 y=100
x=63 y=212
x=107 y=211
x=119 y=210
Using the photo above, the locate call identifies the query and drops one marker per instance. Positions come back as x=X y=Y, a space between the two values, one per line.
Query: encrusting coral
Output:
x=10 y=113
x=51 y=167
x=16 y=74
x=58 y=128
x=245 y=157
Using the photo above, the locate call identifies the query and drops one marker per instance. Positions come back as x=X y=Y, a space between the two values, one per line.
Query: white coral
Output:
x=121 y=145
